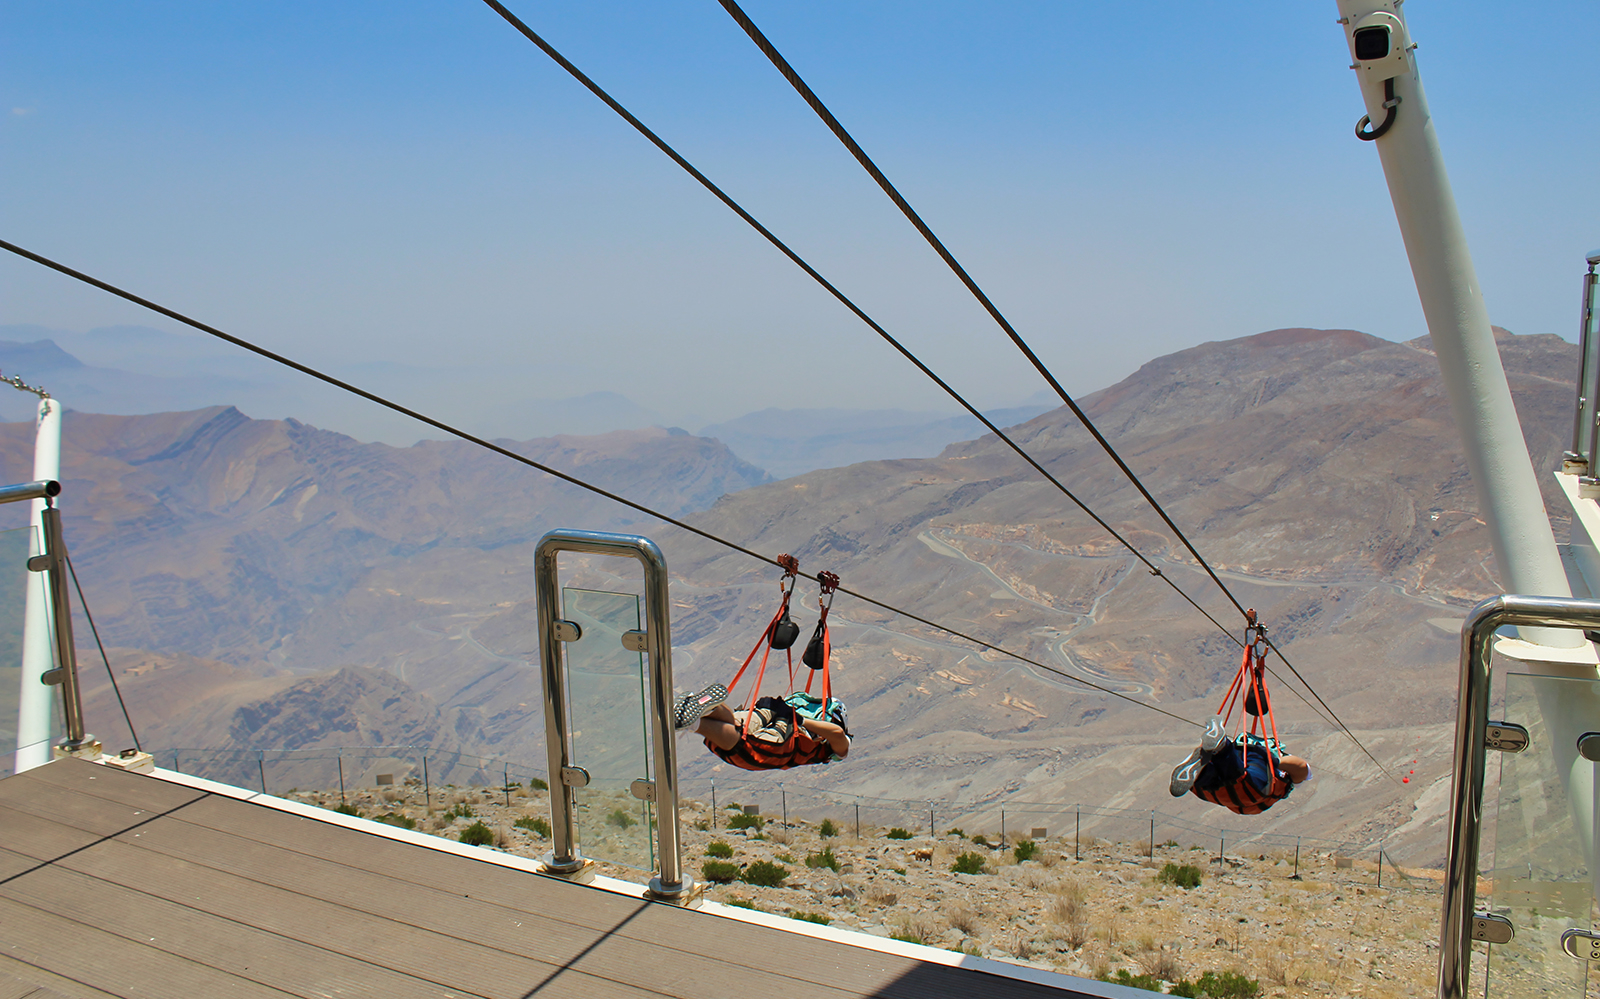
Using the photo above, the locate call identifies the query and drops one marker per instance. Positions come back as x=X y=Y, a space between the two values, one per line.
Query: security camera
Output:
x=1372 y=43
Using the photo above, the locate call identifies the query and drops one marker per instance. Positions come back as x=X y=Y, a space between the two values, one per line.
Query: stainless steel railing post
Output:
x=54 y=564
x=1466 y=789
x=52 y=561
x=669 y=882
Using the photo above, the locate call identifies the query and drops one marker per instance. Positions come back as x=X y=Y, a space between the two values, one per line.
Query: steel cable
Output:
x=116 y=687
x=809 y=96
x=843 y=299
x=782 y=247
x=563 y=476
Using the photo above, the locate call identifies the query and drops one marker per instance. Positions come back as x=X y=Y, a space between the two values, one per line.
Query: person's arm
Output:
x=830 y=733
x=1298 y=770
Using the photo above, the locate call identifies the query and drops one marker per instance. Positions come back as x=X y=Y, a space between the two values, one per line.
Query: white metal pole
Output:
x=1452 y=302
x=1399 y=125
x=36 y=702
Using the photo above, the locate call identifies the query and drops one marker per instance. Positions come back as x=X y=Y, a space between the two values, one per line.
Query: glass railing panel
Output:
x=1540 y=880
x=14 y=552
x=607 y=696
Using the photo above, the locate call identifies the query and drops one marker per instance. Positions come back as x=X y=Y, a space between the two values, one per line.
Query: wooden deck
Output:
x=125 y=885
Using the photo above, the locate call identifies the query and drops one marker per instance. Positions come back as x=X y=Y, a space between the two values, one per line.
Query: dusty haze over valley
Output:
x=266 y=584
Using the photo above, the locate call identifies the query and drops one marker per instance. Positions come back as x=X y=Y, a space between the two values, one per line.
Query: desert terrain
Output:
x=1328 y=925
x=270 y=586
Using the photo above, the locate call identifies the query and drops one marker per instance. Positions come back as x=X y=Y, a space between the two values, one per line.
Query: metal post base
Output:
x=688 y=893
x=579 y=871
x=88 y=748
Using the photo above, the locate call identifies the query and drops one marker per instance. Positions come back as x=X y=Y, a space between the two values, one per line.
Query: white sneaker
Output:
x=1185 y=773
x=1214 y=737
x=691 y=706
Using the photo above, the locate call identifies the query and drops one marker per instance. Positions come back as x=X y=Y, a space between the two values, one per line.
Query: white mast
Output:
x=1399 y=125
x=36 y=702
x=1458 y=323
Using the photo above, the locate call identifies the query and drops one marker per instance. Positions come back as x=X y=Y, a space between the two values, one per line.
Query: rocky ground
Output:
x=1331 y=931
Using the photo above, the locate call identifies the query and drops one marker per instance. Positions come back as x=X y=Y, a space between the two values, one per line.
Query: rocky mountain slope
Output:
x=264 y=547
x=1318 y=470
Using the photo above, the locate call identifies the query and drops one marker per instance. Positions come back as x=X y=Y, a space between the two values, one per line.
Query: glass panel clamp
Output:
x=1507 y=737
x=1581 y=944
x=1490 y=928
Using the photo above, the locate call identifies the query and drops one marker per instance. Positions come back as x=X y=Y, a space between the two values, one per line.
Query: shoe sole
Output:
x=692 y=707
x=1185 y=774
x=1214 y=737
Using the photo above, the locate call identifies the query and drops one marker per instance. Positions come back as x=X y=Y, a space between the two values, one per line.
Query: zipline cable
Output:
x=117 y=688
x=843 y=299
x=910 y=213
x=844 y=136
x=563 y=476
x=782 y=247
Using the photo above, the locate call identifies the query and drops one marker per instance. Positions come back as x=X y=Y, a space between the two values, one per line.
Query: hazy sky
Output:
x=399 y=187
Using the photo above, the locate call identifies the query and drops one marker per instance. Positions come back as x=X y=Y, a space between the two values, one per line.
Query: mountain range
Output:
x=135 y=370
x=290 y=571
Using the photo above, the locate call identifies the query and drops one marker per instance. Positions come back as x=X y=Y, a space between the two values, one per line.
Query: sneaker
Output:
x=1215 y=735
x=1185 y=773
x=691 y=706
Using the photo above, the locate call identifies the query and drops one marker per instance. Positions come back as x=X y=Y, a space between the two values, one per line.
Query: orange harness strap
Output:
x=791 y=568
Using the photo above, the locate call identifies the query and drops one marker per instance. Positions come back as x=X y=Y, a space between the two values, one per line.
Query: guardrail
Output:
x=1460 y=925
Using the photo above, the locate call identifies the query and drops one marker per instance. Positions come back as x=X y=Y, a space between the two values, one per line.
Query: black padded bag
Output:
x=785 y=631
x=816 y=649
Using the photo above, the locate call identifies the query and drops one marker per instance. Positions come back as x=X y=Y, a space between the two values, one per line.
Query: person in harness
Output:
x=1246 y=775
x=776 y=733
x=1250 y=773
x=772 y=735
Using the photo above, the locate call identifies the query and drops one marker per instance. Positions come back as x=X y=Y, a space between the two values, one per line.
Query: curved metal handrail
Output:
x=1466 y=790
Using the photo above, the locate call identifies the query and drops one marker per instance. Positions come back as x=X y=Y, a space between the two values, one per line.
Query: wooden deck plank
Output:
x=108 y=783
x=374 y=951
x=88 y=954
x=220 y=874
x=353 y=913
x=747 y=945
x=87 y=812
x=27 y=833
x=853 y=969
x=254 y=953
x=14 y=987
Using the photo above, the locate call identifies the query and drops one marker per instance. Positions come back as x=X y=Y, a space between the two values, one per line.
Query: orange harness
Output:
x=1241 y=794
x=799 y=748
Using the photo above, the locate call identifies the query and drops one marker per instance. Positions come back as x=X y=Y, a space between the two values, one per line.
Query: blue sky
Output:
x=414 y=194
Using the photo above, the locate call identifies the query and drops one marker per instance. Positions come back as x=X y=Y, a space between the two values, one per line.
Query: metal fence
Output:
x=1080 y=831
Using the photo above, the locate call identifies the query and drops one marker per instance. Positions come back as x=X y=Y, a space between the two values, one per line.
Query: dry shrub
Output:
x=779 y=835
x=1087 y=842
x=1028 y=877
x=1067 y=910
x=500 y=838
x=1273 y=970
x=1162 y=963
x=1077 y=935
x=916 y=929
x=877 y=896
x=458 y=799
x=391 y=796
x=1048 y=859
x=1108 y=931
x=1019 y=945
x=966 y=920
